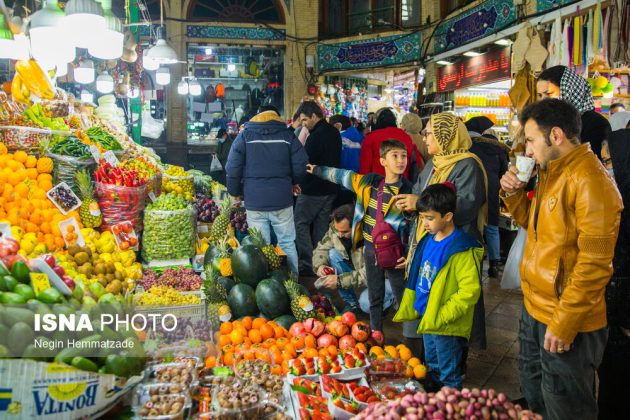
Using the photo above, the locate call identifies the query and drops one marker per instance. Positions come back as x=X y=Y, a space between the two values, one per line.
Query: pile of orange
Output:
x=415 y=368
x=253 y=338
x=24 y=182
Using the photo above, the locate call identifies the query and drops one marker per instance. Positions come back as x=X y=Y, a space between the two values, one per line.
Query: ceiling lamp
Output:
x=104 y=83
x=503 y=42
x=194 y=87
x=472 y=53
x=49 y=41
x=85 y=72
x=162 y=76
x=182 y=87
x=443 y=63
x=109 y=43
x=84 y=22
x=162 y=53
x=148 y=63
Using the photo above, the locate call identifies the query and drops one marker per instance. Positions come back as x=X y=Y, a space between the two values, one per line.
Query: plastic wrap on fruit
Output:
x=35 y=78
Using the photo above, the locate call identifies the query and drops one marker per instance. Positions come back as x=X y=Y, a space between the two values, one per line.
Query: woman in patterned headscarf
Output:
x=448 y=141
x=562 y=82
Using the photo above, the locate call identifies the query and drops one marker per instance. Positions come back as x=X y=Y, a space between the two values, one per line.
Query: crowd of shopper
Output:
x=408 y=213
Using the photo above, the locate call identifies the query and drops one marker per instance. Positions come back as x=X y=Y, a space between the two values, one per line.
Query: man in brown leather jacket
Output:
x=572 y=225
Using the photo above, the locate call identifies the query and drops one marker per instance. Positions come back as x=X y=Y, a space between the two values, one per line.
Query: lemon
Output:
x=601 y=82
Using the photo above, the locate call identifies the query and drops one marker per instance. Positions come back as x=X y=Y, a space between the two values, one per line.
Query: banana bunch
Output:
x=31 y=78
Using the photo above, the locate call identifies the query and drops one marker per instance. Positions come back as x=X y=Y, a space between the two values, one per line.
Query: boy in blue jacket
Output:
x=443 y=286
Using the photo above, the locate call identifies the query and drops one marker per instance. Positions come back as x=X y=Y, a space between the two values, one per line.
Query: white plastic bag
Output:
x=512 y=271
x=215 y=165
x=151 y=127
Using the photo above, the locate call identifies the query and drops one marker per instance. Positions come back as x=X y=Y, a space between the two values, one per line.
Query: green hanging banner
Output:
x=374 y=52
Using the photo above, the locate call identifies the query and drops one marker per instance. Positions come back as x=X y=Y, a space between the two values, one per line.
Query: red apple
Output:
x=326 y=340
x=50 y=260
x=8 y=246
x=59 y=270
x=347 y=342
x=378 y=337
x=69 y=281
x=349 y=318
x=297 y=330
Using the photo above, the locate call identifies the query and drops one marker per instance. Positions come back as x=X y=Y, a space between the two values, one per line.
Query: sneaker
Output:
x=493 y=270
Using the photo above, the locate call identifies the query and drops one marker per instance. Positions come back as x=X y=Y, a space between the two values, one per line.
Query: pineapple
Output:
x=89 y=211
x=216 y=298
x=270 y=252
x=220 y=225
x=225 y=262
x=298 y=300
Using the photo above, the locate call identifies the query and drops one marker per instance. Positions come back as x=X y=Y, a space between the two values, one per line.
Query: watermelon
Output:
x=272 y=298
x=249 y=265
x=242 y=301
x=226 y=282
x=247 y=240
x=285 y=321
x=279 y=275
x=212 y=253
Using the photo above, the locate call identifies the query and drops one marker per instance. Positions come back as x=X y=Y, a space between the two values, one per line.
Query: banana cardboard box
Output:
x=30 y=389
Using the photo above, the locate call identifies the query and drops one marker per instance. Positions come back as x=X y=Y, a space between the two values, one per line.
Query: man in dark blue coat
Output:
x=265 y=165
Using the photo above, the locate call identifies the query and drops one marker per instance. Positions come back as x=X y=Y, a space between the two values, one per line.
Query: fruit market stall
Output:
x=94 y=228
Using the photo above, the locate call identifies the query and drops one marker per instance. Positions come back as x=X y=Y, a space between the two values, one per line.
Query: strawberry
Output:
x=349 y=361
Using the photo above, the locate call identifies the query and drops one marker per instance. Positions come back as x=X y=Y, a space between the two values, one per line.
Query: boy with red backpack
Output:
x=378 y=222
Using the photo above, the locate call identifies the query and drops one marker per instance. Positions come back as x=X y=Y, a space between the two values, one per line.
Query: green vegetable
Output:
x=82 y=363
x=7 y=283
x=73 y=147
x=102 y=137
x=50 y=295
x=25 y=290
x=20 y=272
x=12 y=298
x=169 y=229
x=20 y=336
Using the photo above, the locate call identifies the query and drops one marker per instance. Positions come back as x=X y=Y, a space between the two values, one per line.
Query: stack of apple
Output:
x=342 y=332
x=52 y=263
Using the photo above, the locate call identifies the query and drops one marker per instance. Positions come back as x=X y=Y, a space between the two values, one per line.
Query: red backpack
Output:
x=387 y=244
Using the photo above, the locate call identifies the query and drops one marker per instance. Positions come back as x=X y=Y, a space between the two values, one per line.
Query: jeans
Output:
x=376 y=286
x=342 y=266
x=613 y=374
x=559 y=385
x=443 y=354
x=282 y=223
x=493 y=242
x=315 y=210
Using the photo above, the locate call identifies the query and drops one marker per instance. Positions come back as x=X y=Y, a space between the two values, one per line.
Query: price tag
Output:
x=152 y=196
x=40 y=282
x=110 y=158
x=95 y=153
x=5 y=230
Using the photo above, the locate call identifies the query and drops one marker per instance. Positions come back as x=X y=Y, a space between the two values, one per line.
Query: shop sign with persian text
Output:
x=485 y=19
x=489 y=67
x=375 y=52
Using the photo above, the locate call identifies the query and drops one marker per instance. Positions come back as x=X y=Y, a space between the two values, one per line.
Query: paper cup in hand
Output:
x=524 y=167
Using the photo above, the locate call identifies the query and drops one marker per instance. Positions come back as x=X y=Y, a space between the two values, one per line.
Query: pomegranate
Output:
x=314 y=327
x=297 y=330
x=8 y=246
x=378 y=337
x=361 y=331
x=349 y=318
x=337 y=328
x=347 y=342
x=326 y=340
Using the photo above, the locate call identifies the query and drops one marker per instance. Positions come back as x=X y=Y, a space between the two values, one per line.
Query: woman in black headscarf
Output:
x=562 y=82
x=614 y=371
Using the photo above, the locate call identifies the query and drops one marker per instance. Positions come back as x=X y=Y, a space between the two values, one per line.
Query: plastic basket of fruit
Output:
x=120 y=204
x=27 y=139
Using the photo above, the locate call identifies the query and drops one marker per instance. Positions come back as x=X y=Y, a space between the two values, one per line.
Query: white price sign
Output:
x=110 y=158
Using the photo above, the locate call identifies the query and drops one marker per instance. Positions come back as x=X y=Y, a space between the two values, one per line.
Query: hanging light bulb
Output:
x=208 y=51
x=84 y=74
x=194 y=87
x=162 y=76
x=84 y=22
x=162 y=53
x=148 y=63
x=182 y=87
x=87 y=96
x=108 y=44
x=104 y=83
x=49 y=41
